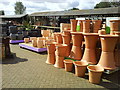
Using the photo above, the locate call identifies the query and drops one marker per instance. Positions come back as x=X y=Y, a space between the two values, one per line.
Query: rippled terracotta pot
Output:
x=34 y=43
x=90 y=46
x=73 y=25
x=80 y=68
x=40 y=44
x=61 y=49
x=59 y=38
x=68 y=65
x=108 y=43
x=96 y=25
x=95 y=73
x=76 y=52
x=59 y=63
x=115 y=25
x=26 y=40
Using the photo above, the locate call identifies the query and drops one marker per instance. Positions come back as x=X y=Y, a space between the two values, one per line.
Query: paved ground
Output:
x=29 y=70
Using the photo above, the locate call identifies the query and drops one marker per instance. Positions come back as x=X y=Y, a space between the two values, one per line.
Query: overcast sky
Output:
x=46 y=5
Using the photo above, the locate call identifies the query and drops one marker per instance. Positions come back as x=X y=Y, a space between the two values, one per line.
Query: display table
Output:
x=108 y=43
x=16 y=41
x=90 y=46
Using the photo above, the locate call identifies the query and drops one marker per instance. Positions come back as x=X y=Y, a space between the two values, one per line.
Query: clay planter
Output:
x=59 y=62
x=107 y=57
x=45 y=33
x=67 y=32
x=51 y=58
x=95 y=73
x=66 y=39
x=115 y=25
x=102 y=32
x=68 y=50
x=86 y=26
x=26 y=40
x=73 y=25
x=34 y=43
x=51 y=47
x=80 y=68
x=40 y=44
x=59 y=38
x=90 y=46
x=68 y=65
x=61 y=49
x=96 y=25
x=33 y=38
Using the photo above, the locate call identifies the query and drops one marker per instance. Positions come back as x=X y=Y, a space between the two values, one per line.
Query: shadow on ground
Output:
x=13 y=60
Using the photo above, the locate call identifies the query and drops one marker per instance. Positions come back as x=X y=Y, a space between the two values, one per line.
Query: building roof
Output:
x=100 y=11
x=12 y=16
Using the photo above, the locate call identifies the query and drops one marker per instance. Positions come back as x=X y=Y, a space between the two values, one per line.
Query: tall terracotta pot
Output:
x=68 y=65
x=95 y=73
x=107 y=57
x=96 y=25
x=66 y=39
x=86 y=26
x=34 y=43
x=73 y=25
x=59 y=38
x=40 y=44
x=80 y=68
x=115 y=25
x=59 y=63
x=26 y=40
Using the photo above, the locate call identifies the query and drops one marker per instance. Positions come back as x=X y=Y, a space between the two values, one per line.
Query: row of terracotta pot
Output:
x=95 y=71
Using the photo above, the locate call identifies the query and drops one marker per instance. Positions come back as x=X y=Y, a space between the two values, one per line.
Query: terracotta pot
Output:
x=26 y=40
x=96 y=25
x=73 y=25
x=45 y=33
x=40 y=44
x=59 y=38
x=95 y=73
x=80 y=68
x=51 y=48
x=67 y=32
x=61 y=49
x=90 y=40
x=117 y=58
x=108 y=42
x=86 y=24
x=115 y=25
x=89 y=56
x=76 y=53
x=68 y=50
x=41 y=38
x=59 y=62
x=51 y=58
x=33 y=38
x=77 y=38
x=34 y=43
x=68 y=65
x=102 y=32
x=107 y=57
x=66 y=39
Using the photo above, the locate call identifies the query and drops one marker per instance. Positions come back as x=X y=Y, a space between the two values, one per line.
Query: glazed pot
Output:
x=26 y=40
x=61 y=49
x=80 y=68
x=115 y=25
x=68 y=65
x=95 y=73
x=40 y=44
x=107 y=57
x=59 y=38
x=79 y=27
x=34 y=43
x=51 y=58
x=59 y=62
x=73 y=25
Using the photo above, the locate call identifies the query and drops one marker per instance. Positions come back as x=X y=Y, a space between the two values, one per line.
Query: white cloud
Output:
x=47 y=5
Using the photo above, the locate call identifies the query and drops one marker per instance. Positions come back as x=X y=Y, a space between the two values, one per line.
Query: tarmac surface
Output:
x=28 y=70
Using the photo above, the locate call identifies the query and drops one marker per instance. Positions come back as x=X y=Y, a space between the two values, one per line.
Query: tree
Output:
x=2 y=12
x=74 y=8
x=19 y=8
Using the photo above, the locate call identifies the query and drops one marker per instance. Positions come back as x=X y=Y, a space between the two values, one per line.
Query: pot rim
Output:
x=80 y=64
x=68 y=61
x=102 y=69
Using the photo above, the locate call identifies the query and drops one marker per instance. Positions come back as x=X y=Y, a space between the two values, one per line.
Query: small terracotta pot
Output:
x=80 y=68
x=115 y=25
x=61 y=49
x=33 y=38
x=26 y=40
x=51 y=48
x=59 y=38
x=68 y=65
x=39 y=44
x=34 y=43
x=73 y=25
x=76 y=53
x=95 y=73
x=66 y=39
x=59 y=62
x=51 y=58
